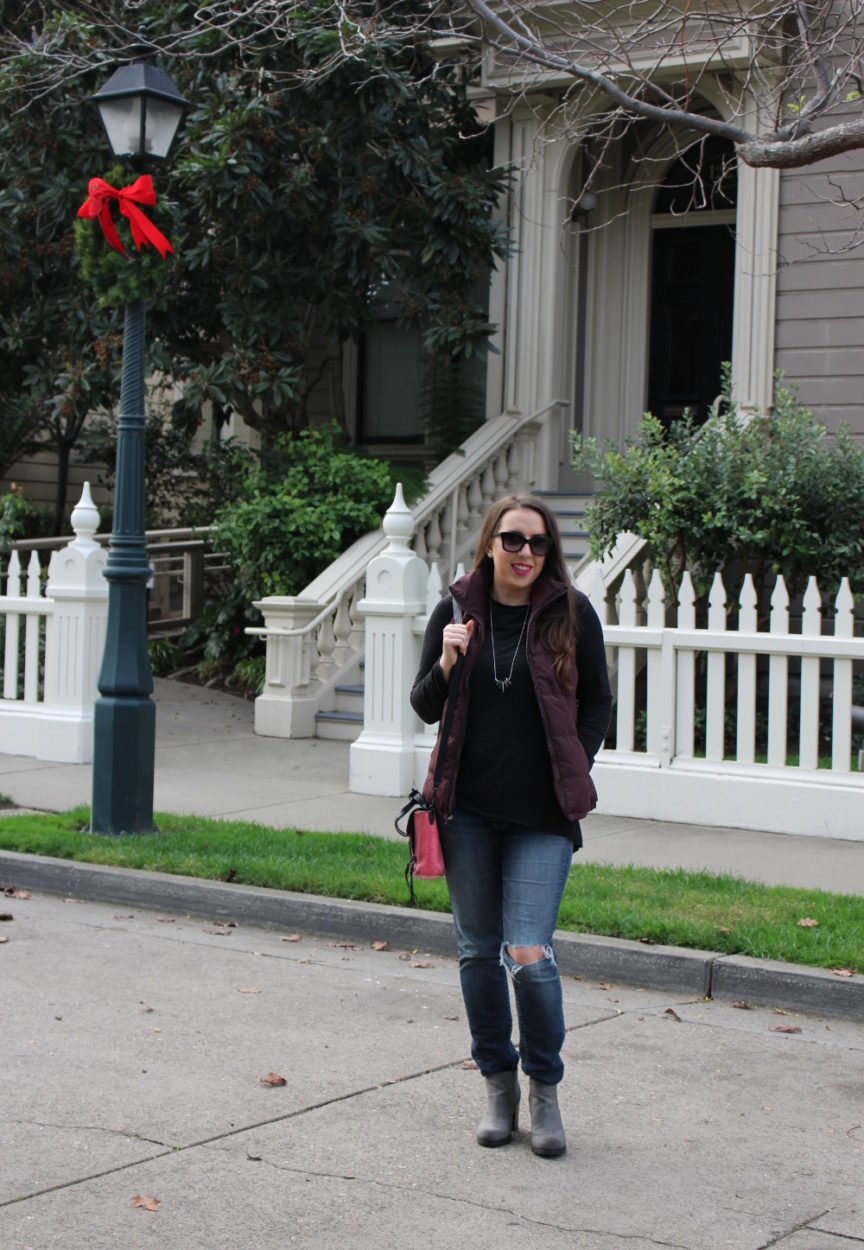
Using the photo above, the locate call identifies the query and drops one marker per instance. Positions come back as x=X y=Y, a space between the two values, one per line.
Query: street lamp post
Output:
x=141 y=110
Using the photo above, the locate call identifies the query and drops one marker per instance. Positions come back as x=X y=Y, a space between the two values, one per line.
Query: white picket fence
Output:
x=53 y=638
x=656 y=663
x=670 y=760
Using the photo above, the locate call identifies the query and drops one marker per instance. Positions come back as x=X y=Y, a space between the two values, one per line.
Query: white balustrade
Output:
x=310 y=647
x=55 y=721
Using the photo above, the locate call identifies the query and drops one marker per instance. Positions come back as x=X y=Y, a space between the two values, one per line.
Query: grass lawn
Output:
x=674 y=907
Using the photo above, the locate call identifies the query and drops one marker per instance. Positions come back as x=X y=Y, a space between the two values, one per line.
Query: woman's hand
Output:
x=456 y=639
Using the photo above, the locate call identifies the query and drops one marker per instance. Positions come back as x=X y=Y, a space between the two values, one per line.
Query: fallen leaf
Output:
x=604 y=985
x=343 y=946
x=292 y=937
x=222 y=932
x=145 y=1010
x=58 y=1017
x=405 y=955
x=129 y=917
x=167 y=919
x=785 y=1028
x=451 y=1017
x=273 y=1079
x=304 y=961
x=231 y=874
x=6 y=915
x=12 y=891
x=842 y=972
x=157 y=1030
x=742 y=1006
x=249 y=989
x=778 y=1011
x=648 y=941
x=380 y=946
x=145 y=1203
x=807 y=922
x=3 y=939
x=468 y=1063
x=421 y=963
x=674 y=1014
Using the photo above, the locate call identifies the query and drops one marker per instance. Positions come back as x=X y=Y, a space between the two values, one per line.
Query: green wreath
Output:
x=118 y=280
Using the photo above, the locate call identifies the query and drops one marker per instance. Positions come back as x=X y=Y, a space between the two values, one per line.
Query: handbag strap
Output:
x=451 y=708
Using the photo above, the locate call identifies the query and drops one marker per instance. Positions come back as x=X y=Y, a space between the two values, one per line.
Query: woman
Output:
x=533 y=705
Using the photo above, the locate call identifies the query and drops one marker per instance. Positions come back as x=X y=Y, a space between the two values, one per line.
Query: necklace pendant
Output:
x=502 y=683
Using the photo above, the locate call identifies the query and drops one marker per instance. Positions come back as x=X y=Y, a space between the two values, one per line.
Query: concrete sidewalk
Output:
x=210 y=762
x=134 y=1045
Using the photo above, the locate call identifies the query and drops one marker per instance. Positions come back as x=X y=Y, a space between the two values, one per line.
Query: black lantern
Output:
x=141 y=110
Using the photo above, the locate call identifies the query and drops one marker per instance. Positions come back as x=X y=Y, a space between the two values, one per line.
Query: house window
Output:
x=391 y=379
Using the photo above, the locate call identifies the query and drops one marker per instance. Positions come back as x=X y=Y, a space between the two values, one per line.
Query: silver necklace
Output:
x=503 y=682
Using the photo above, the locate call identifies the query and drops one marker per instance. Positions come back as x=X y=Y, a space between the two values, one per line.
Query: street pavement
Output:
x=134 y=1045
x=141 y=1012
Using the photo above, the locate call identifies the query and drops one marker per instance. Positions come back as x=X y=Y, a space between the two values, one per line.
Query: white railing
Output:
x=183 y=562
x=315 y=640
x=51 y=665
x=671 y=678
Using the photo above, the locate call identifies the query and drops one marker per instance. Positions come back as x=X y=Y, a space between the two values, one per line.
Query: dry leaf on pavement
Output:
x=842 y=972
x=221 y=932
x=145 y=1203
x=380 y=946
x=291 y=937
x=273 y=1078
x=12 y=891
x=421 y=963
x=248 y=989
x=785 y=1028
x=670 y=1011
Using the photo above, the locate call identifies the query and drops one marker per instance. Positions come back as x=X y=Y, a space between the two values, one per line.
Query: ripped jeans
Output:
x=505 y=884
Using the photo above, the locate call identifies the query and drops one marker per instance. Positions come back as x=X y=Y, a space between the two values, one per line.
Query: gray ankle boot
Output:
x=502 y=1111
x=547 y=1131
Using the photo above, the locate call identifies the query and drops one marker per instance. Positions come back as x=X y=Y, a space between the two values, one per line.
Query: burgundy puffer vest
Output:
x=574 y=788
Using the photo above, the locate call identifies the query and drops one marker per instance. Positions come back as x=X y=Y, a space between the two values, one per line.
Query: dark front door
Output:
x=692 y=284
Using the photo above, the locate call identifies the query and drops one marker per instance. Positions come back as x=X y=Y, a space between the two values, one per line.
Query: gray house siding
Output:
x=820 y=289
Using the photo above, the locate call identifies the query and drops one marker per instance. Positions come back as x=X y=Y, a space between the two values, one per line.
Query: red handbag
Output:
x=425 y=858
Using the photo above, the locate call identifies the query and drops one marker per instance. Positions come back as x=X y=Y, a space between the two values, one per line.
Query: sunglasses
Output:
x=513 y=541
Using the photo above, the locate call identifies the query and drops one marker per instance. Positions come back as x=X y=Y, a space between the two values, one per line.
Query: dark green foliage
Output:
x=301 y=505
x=774 y=494
x=298 y=188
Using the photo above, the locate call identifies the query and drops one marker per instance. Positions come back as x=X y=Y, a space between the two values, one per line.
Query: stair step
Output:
x=341 y=726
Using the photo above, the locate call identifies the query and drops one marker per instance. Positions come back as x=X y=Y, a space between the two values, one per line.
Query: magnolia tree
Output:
x=305 y=185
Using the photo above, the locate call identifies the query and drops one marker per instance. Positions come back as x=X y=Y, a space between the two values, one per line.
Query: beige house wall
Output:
x=820 y=288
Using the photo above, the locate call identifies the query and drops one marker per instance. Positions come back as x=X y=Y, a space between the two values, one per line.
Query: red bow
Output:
x=140 y=192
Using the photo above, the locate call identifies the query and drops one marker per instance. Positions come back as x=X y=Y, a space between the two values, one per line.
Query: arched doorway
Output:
x=692 y=281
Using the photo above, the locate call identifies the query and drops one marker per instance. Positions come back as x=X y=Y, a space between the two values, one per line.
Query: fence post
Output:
x=382 y=758
x=286 y=706
x=74 y=640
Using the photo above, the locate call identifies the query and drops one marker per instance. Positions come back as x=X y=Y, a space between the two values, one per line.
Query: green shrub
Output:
x=769 y=494
x=303 y=504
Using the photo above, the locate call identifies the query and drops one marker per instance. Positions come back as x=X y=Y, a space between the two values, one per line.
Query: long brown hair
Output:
x=558 y=627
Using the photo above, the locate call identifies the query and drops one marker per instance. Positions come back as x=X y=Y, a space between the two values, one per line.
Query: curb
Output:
x=702 y=974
